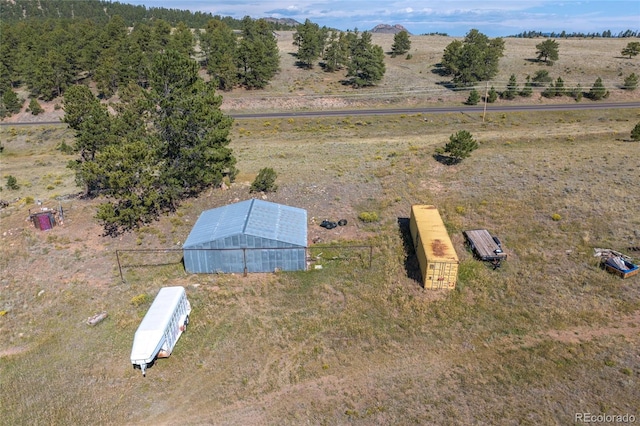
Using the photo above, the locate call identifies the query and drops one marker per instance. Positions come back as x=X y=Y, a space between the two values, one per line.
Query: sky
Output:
x=494 y=18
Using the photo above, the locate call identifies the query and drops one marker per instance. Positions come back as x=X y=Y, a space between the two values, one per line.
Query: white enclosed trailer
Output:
x=161 y=327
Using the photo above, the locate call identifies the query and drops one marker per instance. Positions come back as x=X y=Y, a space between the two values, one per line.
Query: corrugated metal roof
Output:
x=251 y=217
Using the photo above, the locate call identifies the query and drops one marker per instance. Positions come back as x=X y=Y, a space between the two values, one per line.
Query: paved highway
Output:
x=408 y=111
x=441 y=110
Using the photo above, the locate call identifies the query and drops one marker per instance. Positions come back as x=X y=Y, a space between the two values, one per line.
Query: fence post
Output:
x=244 y=256
x=119 y=266
x=370 y=255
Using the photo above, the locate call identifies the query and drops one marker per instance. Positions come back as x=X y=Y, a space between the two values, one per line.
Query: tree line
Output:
x=49 y=56
x=101 y=11
x=574 y=34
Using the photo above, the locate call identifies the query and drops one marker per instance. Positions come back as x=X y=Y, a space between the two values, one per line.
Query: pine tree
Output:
x=527 y=90
x=11 y=102
x=635 y=133
x=576 y=93
x=366 y=66
x=310 y=39
x=492 y=95
x=219 y=46
x=92 y=124
x=548 y=50
x=598 y=91
x=182 y=40
x=257 y=55
x=475 y=59
x=35 y=107
x=550 y=91
x=460 y=145
x=631 y=49
x=630 y=82
x=401 y=44
x=541 y=77
x=559 y=88
x=336 y=54
x=512 y=88
x=192 y=132
x=474 y=97
x=177 y=147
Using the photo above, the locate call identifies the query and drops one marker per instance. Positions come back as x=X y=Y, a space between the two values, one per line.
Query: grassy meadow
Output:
x=544 y=337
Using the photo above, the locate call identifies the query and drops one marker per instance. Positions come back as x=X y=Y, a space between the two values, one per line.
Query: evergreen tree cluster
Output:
x=50 y=55
x=474 y=59
x=354 y=51
x=564 y=34
x=164 y=144
x=101 y=11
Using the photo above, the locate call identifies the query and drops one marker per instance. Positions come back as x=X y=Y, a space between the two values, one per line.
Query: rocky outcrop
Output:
x=389 y=29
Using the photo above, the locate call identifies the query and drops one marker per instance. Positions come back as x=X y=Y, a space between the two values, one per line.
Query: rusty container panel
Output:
x=436 y=255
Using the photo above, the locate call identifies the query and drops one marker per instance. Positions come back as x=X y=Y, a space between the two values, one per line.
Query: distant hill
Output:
x=389 y=29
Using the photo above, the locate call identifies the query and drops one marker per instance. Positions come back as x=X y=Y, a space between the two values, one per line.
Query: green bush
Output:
x=265 y=181
x=12 y=183
x=460 y=145
x=140 y=299
x=473 y=98
x=635 y=133
x=368 y=217
x=35 y=107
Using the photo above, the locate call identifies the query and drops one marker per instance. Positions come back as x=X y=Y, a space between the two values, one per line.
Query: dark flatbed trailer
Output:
x=485 y=247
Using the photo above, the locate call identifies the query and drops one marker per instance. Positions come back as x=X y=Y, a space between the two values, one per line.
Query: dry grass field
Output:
x=546 y=336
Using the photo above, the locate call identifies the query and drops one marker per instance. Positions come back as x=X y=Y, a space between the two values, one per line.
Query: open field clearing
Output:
x=415 y=81
x=546 y=336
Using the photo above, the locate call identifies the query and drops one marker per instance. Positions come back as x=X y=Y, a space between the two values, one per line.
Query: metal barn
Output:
x=249 y=236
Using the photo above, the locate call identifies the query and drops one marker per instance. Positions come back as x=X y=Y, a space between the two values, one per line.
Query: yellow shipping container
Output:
x=437 y=257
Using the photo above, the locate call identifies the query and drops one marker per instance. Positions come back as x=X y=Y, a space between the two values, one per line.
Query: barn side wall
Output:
x=232 y=254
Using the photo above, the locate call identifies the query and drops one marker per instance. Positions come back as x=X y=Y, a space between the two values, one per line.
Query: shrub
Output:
x=35 y=107
x=368 y=217
x=65 y=148
x=635 y=133
x=630 y=82
x=473 y=98
x=492 y=96
x=265 y=181
x=140 y=299
x=556 y=217
x=576 y=93
x=460 y=145
x=12 y=183
x=598 y=91
x=541 y=77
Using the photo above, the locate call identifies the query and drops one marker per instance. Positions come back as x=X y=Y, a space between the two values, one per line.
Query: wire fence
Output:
x=147 y=258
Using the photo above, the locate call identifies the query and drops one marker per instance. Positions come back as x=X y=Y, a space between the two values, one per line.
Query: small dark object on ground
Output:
x=342 y=222
x=327 y=224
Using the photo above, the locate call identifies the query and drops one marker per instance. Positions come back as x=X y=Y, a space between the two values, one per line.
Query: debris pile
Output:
x=327 y=224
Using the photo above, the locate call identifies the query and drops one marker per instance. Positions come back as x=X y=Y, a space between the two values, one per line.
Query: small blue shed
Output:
x=249 y=236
